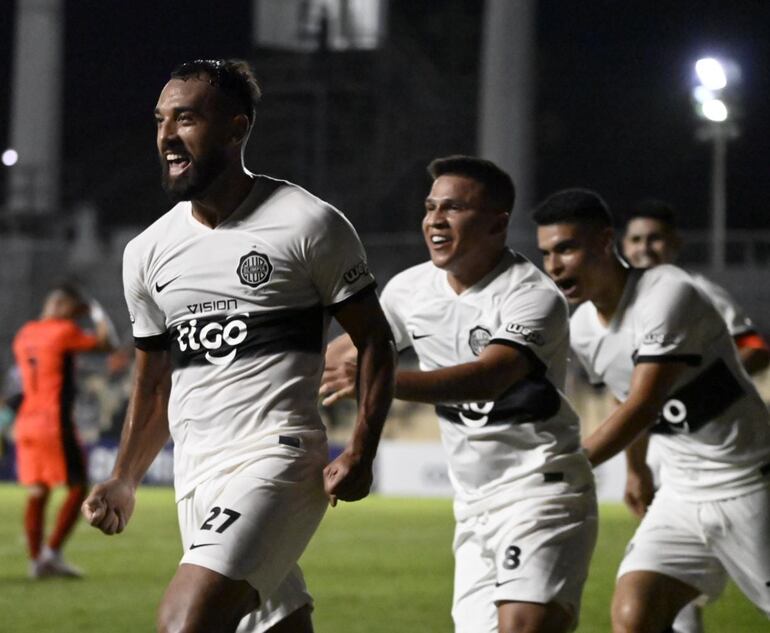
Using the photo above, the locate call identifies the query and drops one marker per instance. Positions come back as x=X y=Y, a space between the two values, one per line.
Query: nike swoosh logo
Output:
x=417 y=337
x=160 y=287
x=194 y=546
x=500 y=584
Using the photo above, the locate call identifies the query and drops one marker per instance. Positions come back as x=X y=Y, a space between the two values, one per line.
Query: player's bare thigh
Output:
x=533 y=617
x=648 y=601
x=199 y=600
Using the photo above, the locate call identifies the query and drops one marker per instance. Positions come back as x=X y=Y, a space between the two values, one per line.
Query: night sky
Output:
x=613 y=105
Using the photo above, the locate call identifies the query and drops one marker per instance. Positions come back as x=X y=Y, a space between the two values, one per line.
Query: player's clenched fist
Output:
x=348 y=478
x=109 y=506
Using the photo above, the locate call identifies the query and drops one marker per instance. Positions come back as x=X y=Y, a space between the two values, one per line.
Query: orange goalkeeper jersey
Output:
x=44 y=354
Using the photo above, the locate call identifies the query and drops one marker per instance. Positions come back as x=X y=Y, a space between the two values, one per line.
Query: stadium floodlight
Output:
x=714 y=97
x=715 y=110
x=10 y=157
x=711 y=73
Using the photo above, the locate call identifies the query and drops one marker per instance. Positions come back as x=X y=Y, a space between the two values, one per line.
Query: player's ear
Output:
x=500 y=224
x=607 y=240
x=240 y=128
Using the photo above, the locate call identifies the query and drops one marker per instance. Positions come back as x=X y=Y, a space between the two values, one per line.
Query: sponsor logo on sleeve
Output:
x=478 y=339
x=254 y=269
x=527 y=333
x=661 y=338
x=355 y=273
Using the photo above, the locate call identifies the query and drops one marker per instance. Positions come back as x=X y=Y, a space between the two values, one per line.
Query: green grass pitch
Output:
x=379 y=565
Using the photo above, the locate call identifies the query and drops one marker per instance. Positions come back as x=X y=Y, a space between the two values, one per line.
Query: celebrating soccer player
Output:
x=47 y=448
x=230 y=294
x=491 y=334
x=664 y=352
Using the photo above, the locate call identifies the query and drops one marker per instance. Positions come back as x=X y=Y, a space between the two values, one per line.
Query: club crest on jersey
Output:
x=478 y=339
x=254 y=269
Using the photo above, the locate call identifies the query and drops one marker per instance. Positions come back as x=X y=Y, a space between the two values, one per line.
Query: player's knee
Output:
x=532 y=618
x=629 y=616
x=38 y=491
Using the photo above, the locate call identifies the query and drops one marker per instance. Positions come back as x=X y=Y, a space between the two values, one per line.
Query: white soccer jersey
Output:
x=243 y=308
x=713 y=433
x=738 y=322
x=509 y=444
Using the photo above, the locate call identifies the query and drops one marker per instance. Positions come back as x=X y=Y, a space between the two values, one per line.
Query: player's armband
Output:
x=157 y=343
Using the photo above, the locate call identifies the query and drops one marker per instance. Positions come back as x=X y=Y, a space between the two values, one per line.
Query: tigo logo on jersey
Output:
x=254 y=269
x=528 y=334
x=359 y=270
x=478 y=339
x=212 y=337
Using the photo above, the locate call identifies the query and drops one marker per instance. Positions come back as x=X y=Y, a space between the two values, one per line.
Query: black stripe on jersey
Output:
x=157 y=343
x=358 y=296
x=693 y=360
x=531 y=399
x=220 y=340
x=700 y=401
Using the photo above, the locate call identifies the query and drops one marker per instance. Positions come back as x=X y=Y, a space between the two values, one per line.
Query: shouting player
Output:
x=663 y=350
x=230 y=295
x=48 y=452
x=491 y=334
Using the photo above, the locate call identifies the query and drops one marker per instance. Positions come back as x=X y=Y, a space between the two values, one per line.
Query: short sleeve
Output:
x=737 y=321
x=76 y=340
x=336 y=259
x=671 y=314
x=147 y=319
x=393 y=299
x=534 y=320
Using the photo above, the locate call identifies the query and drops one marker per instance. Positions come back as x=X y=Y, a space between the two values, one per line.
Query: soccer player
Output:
x=651 y=238
x=664 y=352
x=48 y=452
x=491 y=334
x=230 y=294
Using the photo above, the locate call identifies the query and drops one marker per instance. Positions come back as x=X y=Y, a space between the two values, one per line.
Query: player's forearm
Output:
x=467 y=382
x=618 y=431
x=636 y=453
x=146 y=427
x=376 y=371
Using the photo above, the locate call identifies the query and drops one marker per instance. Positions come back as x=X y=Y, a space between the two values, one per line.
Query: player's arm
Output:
x=349 y=477
x=497 y=369
x=104 y=330
x=754 y=352
x=145 y=431
x=651 y=382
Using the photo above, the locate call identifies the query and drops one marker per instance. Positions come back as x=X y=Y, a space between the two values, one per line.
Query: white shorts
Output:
x=701 y=543
x=531 y=550
x=254 y=529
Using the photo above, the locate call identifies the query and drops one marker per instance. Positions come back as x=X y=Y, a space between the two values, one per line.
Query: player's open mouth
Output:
x=567 y=286
x=177 y=163
x=438 y=241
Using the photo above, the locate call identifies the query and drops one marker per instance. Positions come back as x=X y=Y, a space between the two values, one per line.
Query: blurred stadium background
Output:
x=359 y=95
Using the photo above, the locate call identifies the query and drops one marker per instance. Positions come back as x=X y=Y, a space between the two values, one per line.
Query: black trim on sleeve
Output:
x=693 y=360
x=157 y=343
x=358 y=296
x=539 y=367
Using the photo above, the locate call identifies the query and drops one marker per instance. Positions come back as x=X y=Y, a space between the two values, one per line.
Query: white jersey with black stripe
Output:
x=713 y=433
x=244 y=310
x=530 y=435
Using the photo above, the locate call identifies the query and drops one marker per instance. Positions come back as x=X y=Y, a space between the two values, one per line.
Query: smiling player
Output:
x=230 y=295
x=491 y=334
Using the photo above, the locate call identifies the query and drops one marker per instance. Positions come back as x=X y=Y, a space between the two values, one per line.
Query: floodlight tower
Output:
x=714 y=97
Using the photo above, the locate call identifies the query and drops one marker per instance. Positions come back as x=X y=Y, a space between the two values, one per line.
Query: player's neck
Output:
x=223 y=197
x=608 y=297
x=467 y=276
